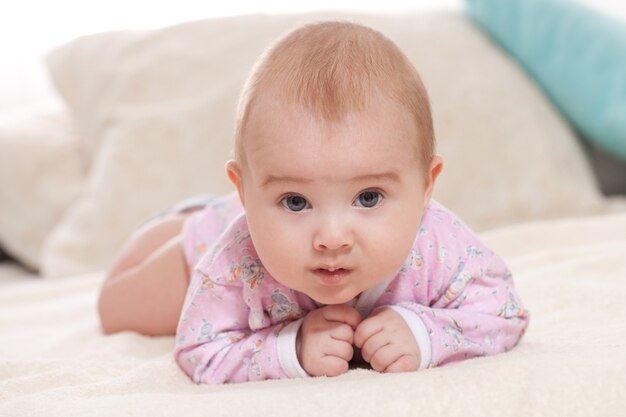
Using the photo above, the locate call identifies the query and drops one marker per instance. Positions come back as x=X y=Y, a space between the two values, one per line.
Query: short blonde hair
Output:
x=333 y=68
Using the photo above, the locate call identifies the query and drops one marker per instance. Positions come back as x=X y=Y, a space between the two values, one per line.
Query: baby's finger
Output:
x=373 y=344
x=342 y=332
x=333 y=366
x=384 y=357
x=341 y=350
x=342 y=313
x=405 y=363
x=368 y=328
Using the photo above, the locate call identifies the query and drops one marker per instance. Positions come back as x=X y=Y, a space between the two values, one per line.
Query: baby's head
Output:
x=332 y=69
x=334 y=159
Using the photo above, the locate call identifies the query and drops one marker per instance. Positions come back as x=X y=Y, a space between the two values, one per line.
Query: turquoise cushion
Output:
x=577 y=55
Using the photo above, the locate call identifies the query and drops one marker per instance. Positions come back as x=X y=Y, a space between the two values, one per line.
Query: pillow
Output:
x=576 y=54
x=157 y=109
x=41 y=174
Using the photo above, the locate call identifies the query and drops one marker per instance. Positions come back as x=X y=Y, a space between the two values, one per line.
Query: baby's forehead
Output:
x=274 y=107
x=277 y=126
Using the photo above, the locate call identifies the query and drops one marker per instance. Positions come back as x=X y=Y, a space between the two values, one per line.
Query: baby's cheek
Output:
x=281 y=258
x=391 y=251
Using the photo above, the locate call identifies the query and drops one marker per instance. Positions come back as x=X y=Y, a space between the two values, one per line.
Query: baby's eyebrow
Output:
x=392 y=176
x=276 y=179
x=382 y=176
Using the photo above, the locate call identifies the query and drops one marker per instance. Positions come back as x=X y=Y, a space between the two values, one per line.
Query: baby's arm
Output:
x=474 y=312
x=222 y=339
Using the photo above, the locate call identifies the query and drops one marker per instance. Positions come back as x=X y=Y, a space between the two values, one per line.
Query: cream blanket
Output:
x=572 y=361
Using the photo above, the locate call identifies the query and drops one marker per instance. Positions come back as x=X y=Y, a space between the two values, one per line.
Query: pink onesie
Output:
x=239 y=324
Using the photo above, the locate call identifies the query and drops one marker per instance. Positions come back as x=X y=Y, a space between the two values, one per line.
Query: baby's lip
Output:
x=332 y=268
x=332 y=275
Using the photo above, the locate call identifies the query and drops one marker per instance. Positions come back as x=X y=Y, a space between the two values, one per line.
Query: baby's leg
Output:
x=146 y=240
x=146 y=285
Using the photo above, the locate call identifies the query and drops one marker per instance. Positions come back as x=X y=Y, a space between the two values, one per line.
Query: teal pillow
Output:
x=577 y=55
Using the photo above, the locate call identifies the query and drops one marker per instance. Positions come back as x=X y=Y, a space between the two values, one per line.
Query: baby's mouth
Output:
x=331 y=275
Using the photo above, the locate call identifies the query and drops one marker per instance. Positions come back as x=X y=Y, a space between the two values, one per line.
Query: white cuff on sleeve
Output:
x=419 y=332
x=286 y=346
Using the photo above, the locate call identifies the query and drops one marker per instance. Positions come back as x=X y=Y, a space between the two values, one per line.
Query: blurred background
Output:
x=29 y=28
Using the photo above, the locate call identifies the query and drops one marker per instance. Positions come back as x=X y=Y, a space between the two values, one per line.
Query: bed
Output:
x=138 y=113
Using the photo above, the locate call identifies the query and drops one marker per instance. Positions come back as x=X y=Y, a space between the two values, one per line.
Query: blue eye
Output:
x=369 y=199
x=294 y=203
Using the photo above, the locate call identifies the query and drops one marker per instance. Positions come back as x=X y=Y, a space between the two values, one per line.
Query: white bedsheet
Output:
x=571 y=362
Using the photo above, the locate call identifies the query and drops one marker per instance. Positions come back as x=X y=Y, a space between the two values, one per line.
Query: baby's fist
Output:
x=324 y=341
x=387 y=343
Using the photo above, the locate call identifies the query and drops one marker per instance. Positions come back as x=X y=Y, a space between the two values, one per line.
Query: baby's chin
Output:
x=338 y=298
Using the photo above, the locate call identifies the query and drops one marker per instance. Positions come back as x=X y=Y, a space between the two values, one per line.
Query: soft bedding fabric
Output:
x=571 y=362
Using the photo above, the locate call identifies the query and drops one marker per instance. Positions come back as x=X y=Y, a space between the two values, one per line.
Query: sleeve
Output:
x=215 y=343
x=476 y=312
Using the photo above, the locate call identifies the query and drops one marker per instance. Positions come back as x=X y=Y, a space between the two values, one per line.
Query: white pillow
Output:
x=41 y=174
x=157 y=110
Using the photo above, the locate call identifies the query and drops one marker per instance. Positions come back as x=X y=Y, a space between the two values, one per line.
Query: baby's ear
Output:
x=436 y=165
x=234 y=174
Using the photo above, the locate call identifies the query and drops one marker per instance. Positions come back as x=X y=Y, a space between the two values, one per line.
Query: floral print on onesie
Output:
x=239 y=324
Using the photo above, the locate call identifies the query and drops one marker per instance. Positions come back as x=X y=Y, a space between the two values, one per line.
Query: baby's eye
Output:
x=294 y=203
x=368 y=199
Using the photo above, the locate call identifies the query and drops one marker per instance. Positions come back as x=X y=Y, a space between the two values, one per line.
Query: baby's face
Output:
x=333 y=209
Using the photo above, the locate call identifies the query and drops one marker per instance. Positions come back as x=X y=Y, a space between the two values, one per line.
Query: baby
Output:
x=332 y=246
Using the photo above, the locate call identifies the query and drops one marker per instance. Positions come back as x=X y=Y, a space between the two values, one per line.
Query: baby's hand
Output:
x=324 y=341
x=386 y=342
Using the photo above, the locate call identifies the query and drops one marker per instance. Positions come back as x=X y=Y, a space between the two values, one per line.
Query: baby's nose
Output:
x=333 y=234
